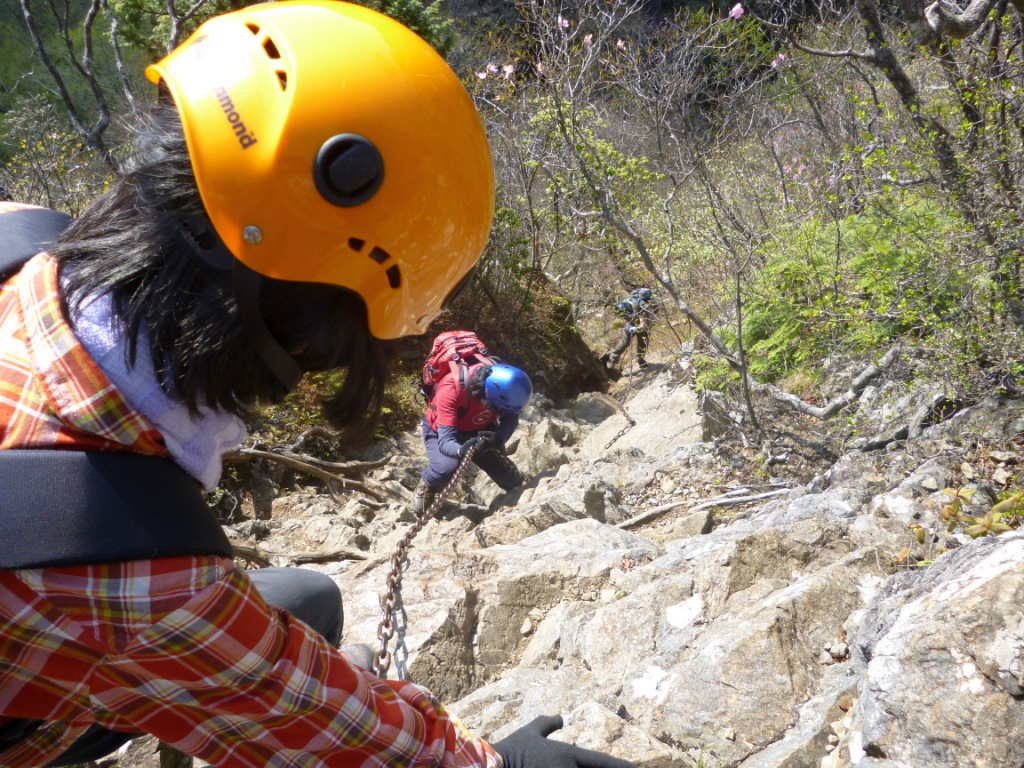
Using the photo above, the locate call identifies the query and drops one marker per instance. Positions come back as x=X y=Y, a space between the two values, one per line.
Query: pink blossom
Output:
x=492 y=67
x=778 y=60
x=620 y=45
x=562 y=23
x=737 y=11
x=588 y=39
x=507 y=70
x=482 y=75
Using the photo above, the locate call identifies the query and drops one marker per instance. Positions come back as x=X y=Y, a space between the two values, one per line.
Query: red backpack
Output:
x=453 y=352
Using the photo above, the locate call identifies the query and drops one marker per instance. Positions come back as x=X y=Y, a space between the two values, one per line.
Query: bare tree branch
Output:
x=946 y=22
x=115 y=41
x=91 y=136
x=859 y=384
x=262 y=557
x=333 y=473
x=725 y=500
x=177 y=20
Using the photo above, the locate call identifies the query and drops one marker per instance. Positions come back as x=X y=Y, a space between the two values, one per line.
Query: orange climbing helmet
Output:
x=331 y=144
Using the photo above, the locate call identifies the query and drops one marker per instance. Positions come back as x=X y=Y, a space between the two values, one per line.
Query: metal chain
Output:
x=386 y=628
x=630 y=423
x=651 y=317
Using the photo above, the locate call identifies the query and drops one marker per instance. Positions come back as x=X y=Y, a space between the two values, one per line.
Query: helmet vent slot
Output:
x=379 y=255
x=394 y=276
x=282 y=79
x=271 y=49
x=356 y=244
x=254 y=28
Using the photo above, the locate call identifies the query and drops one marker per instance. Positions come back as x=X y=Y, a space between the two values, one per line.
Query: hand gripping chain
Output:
x=386 y=628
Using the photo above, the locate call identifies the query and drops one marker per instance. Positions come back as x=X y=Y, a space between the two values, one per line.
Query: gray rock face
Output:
x=786 y=632
x=944 y=654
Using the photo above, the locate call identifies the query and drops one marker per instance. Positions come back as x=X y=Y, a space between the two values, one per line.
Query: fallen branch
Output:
x=331 y=556
x=725 y=500
x=252 y=555
x=242 y=455
x=651 y=514
x=859 y=384
x=262 y=557
x=330 y=472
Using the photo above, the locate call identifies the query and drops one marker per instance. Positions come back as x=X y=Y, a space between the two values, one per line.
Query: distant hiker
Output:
x=312 y=180
x=638 y=310
x=479 y=408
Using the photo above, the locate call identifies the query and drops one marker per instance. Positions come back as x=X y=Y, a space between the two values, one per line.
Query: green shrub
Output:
x=851 y=285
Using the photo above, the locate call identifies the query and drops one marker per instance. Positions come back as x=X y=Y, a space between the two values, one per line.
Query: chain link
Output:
x=630 y=423
x=386 y=628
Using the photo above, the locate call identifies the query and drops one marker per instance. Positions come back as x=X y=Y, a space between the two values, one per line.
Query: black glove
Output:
x=528 y=747
x=486 y=439
x=464 y=448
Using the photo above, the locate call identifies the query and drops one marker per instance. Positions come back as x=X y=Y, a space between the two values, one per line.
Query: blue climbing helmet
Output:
x=507 y=389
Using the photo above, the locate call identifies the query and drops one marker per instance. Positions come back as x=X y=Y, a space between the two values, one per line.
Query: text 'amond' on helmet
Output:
x=507 y=389
x=331 y=144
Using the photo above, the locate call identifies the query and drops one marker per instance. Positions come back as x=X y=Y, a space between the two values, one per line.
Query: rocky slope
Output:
x=685 y=598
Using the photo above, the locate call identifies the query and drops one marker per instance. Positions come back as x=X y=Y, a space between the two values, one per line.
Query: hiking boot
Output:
x=422 y=498
x=641 y=364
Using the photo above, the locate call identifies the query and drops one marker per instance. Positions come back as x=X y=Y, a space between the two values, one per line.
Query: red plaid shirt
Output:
x=52 y=394
x=183 y=648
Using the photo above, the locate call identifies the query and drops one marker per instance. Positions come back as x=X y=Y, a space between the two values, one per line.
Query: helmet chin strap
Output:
x=207 y=245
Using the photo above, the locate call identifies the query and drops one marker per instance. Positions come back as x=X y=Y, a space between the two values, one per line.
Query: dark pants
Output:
x=307 y=595
x=643 y=338
x=493 y=461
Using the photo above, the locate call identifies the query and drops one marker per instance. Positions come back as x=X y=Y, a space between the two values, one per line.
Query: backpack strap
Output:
x=460 y=370
x=462 y=382
x=24 y=232
x=66 y=507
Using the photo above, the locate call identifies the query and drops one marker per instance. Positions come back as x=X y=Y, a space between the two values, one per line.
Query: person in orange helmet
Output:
x=312 y=181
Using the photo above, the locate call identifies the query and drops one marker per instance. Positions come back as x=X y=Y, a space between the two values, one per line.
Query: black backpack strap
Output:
x=24 y=232
x=464 y=394
x=462 y=389
x=85 y=507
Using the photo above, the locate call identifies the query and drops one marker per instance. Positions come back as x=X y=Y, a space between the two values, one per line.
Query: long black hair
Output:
x=130 y=243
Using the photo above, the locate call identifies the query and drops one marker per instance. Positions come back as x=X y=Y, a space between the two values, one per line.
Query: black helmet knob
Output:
x=348 y=170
